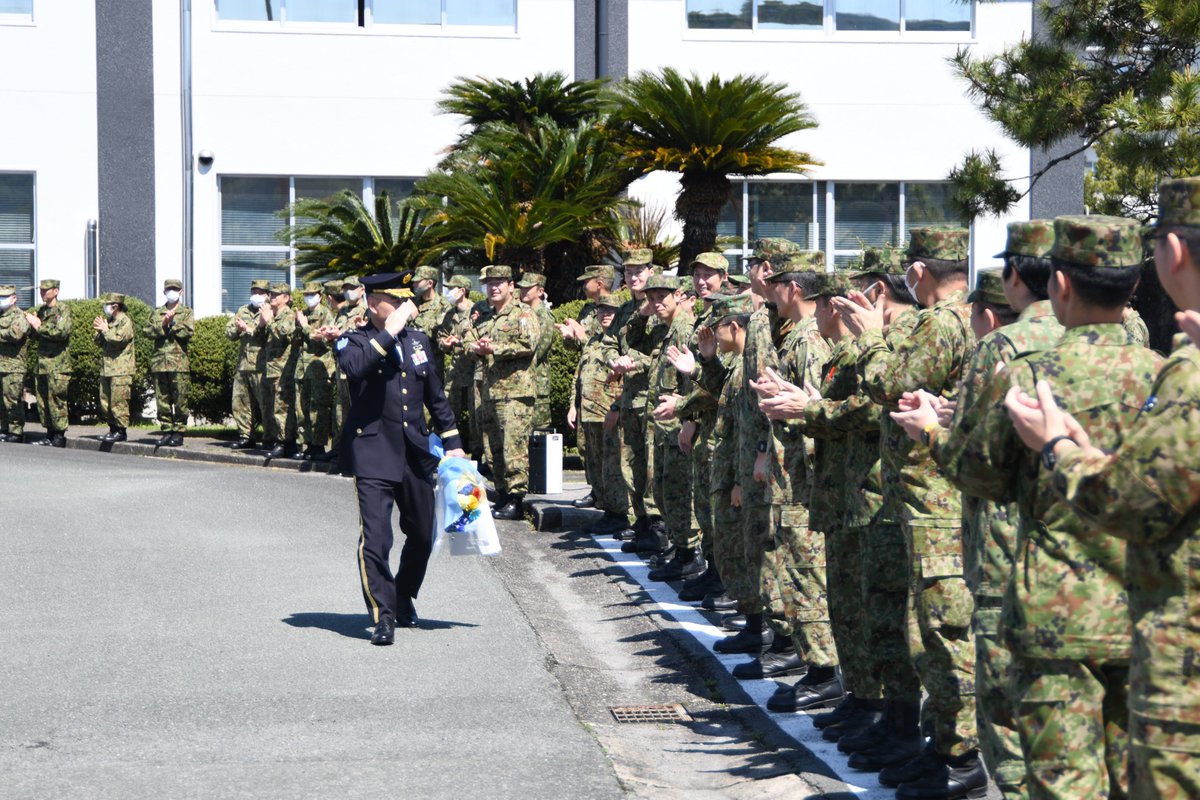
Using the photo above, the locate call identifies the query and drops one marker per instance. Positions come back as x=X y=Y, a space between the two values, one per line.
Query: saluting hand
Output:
x=399 y=317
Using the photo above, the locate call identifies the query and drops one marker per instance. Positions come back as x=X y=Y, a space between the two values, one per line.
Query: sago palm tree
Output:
x=340 y=236
x=706 y=130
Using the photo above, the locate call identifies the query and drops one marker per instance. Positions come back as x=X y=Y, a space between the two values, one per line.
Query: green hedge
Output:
x=213 y=359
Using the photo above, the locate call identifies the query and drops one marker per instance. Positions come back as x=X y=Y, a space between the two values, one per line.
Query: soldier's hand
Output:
x=34 y=320
x=667 y=405
x=482 y=346
x=361 y=322
x=301 y=319
x=735 y=496
x=457 y=452
x=241 y=325
x=859 y=313
x=1038 y=420
x=399 y=317
x=100 y=324
x=687 y=435
x=682 y=359
x=760 y=468
x=611 y=419
x=621 y=365
x=706 y=342
x=572 y=415
x=916 y=414
x=449 y=341
x=266 y=313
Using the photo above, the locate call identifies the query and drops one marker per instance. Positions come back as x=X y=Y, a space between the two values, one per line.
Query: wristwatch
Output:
x=1048 y=457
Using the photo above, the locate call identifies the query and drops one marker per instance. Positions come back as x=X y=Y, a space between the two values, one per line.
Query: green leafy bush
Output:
x=213 y=359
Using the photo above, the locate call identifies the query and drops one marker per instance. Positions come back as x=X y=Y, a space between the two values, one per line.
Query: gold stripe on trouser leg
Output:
x=362 y=562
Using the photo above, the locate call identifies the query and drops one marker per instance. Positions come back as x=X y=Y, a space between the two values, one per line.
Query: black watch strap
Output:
x=1048 y=457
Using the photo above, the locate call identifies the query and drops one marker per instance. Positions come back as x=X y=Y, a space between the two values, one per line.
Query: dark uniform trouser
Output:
x=843 y=547
x=999 y=741
x=414 y=498
x=247 y=403
x=885 y=590
x=114 y=399
x=12 y=410
x=52 y=401
x=171 y=394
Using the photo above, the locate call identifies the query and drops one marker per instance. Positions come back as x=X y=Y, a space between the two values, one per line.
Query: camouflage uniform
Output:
x=794 y=560
x=728 y=547
x=932 y=357
x=316 y=369
x=430 y=314
x=592 y=395
x=1135 y=328
x=1146 y=491
x=541 y=352
x=280 y=355
x=989 y=528
x=169 y=360
x=509 y=388
x=1066 y=614
x=53 y=370
x=117 y=365
x=461 y=370
x=247 y=382
x=671 y=478
x=345 y=319
x=14 y=341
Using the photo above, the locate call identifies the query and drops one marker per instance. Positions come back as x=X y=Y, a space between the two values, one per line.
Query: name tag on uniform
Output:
x=418 y=356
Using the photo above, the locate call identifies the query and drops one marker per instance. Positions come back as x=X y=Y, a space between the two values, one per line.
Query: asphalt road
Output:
x=194 y=630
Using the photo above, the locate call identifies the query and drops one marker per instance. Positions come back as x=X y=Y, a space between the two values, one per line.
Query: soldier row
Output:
x=831 y=457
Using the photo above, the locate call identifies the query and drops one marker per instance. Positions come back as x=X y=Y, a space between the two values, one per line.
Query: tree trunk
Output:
x=702 y=195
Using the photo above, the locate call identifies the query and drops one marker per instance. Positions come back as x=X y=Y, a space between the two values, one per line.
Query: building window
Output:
x=832 y=15
x=16 y=12
x=17 y=246
x=837 y=218
x=252 y=218
x=433 y=13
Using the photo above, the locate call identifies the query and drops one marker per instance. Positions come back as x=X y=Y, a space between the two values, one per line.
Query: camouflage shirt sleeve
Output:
x=930 y=358
x=523 y=338
x=57 y=328
x=948 y=446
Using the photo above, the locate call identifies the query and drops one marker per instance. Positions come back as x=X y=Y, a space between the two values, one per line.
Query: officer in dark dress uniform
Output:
x=385 y=446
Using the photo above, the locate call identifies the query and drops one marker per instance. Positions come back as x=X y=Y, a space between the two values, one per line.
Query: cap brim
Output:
x=1001 y=254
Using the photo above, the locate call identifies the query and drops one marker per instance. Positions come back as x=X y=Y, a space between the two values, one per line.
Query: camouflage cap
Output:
x=427 y=274
x=739 y=279
x=496 y=272
x=639 y=257
x=659 y=281
x=608 y=302
x=312 y=287
x=773 y=248
x=7 y=291
x=715 y=261
x=261 y=283
x=1178 y=203
x=989 y=288
x=604 y=272
x=1097 y=241
x=804 y=261
x=351 y=281
x=115 y=298
x=1034 y=238
x=48 y=283
x=280 y=288
x=530 y=279
x=459 y=282
x=730 y=305
x=942 y=243
x=832 y=284
x=885 y=260
x=333 y=287
x=173 y=283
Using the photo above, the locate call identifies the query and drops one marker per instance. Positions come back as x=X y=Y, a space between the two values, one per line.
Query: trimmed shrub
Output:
x=213 y=359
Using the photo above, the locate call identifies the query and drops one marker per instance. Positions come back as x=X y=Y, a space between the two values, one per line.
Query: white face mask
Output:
x=7 y=302
x=912 y=287
x=257 y=300
x=172 y=296
x=108 y=310
x=350 y=294
x=311 y=300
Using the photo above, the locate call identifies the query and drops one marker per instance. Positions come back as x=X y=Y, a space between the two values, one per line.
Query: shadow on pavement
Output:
x=358 y=626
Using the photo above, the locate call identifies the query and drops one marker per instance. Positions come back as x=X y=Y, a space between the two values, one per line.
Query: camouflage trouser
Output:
x=701 y=503
x=248 y=403
x=460 y=401
x=476 y=422
x=844 y=573
x=114 y=400
x=508 y=423
x=12 y=410
x=52 y=401
x=793 y=585
x=729 y=552
x=885 y=593
x=341 y=407
x=1073 y=717
x=279 y=410
x=758 y=526
x=999 y=741
x=637 y=463
x=541 y=412
x=316 y=398
x=1164 y=761
x=610 y=471
x=597 y=444
x=940 y=639
x=673 y=490
x=171 y=395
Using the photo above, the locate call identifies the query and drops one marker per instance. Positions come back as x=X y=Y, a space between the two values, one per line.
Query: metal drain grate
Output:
x=668 y=713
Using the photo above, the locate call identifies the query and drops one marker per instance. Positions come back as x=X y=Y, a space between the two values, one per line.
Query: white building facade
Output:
x=184 y=127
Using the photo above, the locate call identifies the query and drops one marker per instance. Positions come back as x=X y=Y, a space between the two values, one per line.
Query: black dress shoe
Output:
x=867 y=715
x=58 y=440
x=46 y=442
x=406 y=614
x=584 y=502
x=820 y=687
x=771 y=665
x=244 y=444
x=958 y=777
x=927 y=762
x=718 y=602
x=177 y=439
x=385 y=631
x=12 y=438
x=696 y=587
x=754 y=638
x=112 y=435
x=734 y=622
x=165 y=440
x=685 y=564
x=608 y=523
x=513 y=509
x=314 y=452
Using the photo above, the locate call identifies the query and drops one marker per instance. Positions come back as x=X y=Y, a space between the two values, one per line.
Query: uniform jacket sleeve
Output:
x=927 y=359
x=58 y=327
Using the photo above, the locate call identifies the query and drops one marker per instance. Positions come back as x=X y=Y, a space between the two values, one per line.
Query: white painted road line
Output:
x=798 y=726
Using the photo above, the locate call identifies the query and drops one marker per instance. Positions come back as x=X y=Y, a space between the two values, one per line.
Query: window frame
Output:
x=830 y=30
x=366 y=25
x=20 y=20
x=31 y=245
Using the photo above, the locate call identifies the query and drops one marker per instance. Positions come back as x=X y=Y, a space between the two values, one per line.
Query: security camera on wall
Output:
x=205 y=157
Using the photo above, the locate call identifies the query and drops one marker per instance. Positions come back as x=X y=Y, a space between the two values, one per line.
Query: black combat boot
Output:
x=513 y=508
x=780 y=660
x=892 y=744
x=687 y=562
x=957 y=777
x=696 y=587
x=820 y=687
x=867 y=714
x=754 y=638
x=165 y=440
